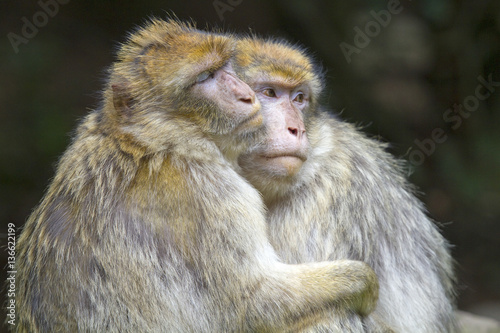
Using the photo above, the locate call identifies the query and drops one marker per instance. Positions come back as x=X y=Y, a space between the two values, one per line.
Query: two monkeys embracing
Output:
x=212 y=192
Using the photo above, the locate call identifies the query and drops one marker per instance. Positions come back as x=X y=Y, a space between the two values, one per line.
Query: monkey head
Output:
x=170 y=75
x=287 y=85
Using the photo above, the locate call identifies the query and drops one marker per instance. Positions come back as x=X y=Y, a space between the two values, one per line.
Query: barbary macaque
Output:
x=147 y=227
x=333 y=193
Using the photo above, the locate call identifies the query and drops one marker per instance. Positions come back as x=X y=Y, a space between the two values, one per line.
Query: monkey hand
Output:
x=365 y=287
x=345 y=284
x=358 y=283
x=374 y=323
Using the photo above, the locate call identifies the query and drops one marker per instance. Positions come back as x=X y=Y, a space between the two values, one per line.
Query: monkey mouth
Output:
x=281 y=165
x=300 y=156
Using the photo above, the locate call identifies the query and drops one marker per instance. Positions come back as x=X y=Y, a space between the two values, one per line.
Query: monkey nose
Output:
x=246 y=100
x=248 y=97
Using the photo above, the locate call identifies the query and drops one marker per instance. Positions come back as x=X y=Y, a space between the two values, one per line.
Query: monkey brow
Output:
x=284 y=84
x=283 y=75
x=283 y=80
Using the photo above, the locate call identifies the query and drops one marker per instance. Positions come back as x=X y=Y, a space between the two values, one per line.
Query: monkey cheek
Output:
x=251 y=124
x=256 y=121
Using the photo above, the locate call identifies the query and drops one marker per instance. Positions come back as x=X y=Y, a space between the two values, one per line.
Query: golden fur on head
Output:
x=265 y=59
x=168 y=55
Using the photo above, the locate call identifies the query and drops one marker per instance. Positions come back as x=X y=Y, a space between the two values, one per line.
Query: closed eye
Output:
x=204 y=76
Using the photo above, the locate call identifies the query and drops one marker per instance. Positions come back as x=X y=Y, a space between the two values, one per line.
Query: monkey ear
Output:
x=122 y=99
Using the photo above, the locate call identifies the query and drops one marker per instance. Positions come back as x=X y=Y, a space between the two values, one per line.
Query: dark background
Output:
x=412 y=75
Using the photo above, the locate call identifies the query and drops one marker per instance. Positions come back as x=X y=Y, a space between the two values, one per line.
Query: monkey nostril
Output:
x=293 y=131
x=247 y=99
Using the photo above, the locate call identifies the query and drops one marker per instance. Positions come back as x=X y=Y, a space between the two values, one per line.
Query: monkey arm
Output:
x=217 y=218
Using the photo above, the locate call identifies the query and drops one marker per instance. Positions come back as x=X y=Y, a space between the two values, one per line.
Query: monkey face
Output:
x=287 y=86
x=229 y=103
x=193 y=69
x=284 y=149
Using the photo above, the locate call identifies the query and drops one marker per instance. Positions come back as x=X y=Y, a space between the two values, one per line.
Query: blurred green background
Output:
x=411 y=73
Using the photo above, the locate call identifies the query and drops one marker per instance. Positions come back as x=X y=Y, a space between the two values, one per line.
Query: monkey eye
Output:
x=204 y=76
x=299 y=98
x=269 y=92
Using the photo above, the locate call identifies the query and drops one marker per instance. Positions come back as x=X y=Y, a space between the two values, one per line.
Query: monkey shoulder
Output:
x=339 y=143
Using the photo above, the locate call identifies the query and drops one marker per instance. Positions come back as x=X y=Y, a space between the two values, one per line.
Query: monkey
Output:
x=147 y=226
x=332 y=193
